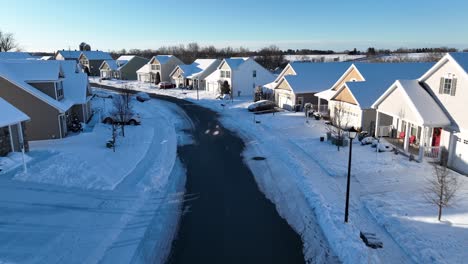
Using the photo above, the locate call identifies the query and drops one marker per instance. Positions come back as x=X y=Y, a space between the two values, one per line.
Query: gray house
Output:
x=49 y=92
x=161 y=67
x=124 y=68
x=92 y=61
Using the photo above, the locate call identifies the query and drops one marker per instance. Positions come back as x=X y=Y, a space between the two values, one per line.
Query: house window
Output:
x=59 y=89
x=155 y=67
x=228 y=74
x=254 y=74
x=223 y=74
x=448 y=86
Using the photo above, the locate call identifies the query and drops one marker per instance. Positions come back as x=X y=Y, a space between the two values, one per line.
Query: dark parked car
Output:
x=262 y=106
x=166 y=85
x=142 y=97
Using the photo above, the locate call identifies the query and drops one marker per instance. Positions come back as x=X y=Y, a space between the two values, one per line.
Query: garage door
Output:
x=284 y=102
x=460 y=159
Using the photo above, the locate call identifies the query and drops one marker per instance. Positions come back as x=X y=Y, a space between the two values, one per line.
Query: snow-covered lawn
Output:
x=80 y=202
x=306 y=179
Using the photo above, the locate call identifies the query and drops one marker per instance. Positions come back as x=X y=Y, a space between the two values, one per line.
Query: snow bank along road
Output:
x=132 y=223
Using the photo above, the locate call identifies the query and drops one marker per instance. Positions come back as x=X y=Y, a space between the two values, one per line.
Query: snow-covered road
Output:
x=133 y=223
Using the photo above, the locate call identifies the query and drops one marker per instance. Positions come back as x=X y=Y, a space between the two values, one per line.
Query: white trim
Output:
x=340 y=90
x=353 y=66
x=11 y=138
x=447 y=58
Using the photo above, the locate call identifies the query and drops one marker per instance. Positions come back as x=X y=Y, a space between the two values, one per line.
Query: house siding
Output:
x=44 y=122
x=352 y=75
x=345 y=96
x=128 y=71
x=45 y=87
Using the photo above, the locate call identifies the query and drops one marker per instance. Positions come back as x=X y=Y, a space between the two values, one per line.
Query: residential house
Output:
x=124 y=68
x=243 y=75
x=11 y=128
x=92 y=60
x=429 y=113
x=68 y=55
x=193 y=75
x=160 y=68
x=144 y=73
x=361 y=85
x=300 y=81
x=49 y=92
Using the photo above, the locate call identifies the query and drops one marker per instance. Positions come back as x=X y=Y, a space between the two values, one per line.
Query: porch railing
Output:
x=384 y=131
x=322 y=109
x=433 y=153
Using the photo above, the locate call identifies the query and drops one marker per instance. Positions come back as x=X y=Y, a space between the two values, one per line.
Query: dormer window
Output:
x=59 y=90
x=448 y=85
x=225 y=74
x=155 y=67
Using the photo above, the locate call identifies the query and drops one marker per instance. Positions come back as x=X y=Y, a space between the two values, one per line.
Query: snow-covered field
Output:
x=306 y=179
x=80 y=202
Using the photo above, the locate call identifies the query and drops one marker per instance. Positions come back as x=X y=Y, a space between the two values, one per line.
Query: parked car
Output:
x=166 y=85
x=262 y=106
x=142 y=97
x=102 y=94
x=130 y=119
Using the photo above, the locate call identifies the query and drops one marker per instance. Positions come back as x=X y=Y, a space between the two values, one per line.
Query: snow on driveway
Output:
x=386 y=189
x=127 y=213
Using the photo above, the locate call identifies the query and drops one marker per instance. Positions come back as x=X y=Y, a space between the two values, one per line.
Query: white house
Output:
x=354 y=97
x=242 y=74
x=432 y=111
x=194 y=74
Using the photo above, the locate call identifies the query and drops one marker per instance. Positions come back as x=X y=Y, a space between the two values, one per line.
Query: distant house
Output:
x=355 y=95
x=300 y=81
x=429 y=113
x=67 y=55
x=92 y=60
x=144 y=73
x=193 y=75
x=243 y=75
x=160 y=67
x=15 y=56
x=49 y=92
x=11 y=128
x=124 y=68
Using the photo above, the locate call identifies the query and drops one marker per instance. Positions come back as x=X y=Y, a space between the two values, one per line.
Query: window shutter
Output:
x=441 y=88
x=454 y=87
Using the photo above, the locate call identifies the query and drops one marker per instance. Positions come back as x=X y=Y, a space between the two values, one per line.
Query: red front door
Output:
x=436 y=136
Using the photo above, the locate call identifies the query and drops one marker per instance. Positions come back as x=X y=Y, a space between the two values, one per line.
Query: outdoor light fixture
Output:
x=352 y=133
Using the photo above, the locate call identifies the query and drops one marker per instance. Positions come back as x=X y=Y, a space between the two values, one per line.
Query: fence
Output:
x=433 y=153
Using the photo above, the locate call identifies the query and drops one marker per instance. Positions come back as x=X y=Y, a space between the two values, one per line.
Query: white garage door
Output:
x=284 y=102
x=460 y=159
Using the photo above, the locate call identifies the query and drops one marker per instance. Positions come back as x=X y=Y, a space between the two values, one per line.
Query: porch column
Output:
x=407 y=137
x=421 y=143
x=318 y=105
x=377 y=120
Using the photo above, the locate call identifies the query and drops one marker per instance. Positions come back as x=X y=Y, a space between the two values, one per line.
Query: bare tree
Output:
x=123 y=108
x=339 y=122
x=441 y=188
x=7 y=42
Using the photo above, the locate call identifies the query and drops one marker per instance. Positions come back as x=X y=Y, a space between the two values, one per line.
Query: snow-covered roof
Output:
x=314 y=77
x=163 y=59
x=271 y=85
x=15 y=56
x=69 y=54
x=379 y=76
x=23 y=72
x=424 y=105
x=10 y=115
x=461 y=58
x=196 y=68
x=112 y=64
x=122 y=60
x=46 y=57
x=145 y=69
x=327 y=94
x=234 y=62
x=96 y=55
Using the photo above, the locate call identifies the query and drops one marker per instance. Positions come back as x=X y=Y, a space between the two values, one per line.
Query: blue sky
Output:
x=316 y=24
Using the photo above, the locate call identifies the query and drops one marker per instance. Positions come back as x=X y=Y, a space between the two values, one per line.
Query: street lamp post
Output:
x=352 y=135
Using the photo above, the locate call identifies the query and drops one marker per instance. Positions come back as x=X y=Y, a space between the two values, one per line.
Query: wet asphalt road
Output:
x=231 y=221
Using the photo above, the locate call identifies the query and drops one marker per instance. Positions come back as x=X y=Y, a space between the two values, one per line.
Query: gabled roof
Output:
x=379 y=76
x=10 y=115
x=196 y=68
x=163 y=59
x=112 y=64
x=96 y=55
x=234 y=62
x=23 y=72
x=69 y=54
x=314 y=77
x=15 y=56
x=122 y=60
x=419 y=99
x=461 y=58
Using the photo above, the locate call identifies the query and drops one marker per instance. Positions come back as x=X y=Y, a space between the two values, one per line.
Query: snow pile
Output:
x=12 y=161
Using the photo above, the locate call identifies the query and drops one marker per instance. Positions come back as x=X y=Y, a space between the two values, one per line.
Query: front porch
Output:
x=423 y=142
